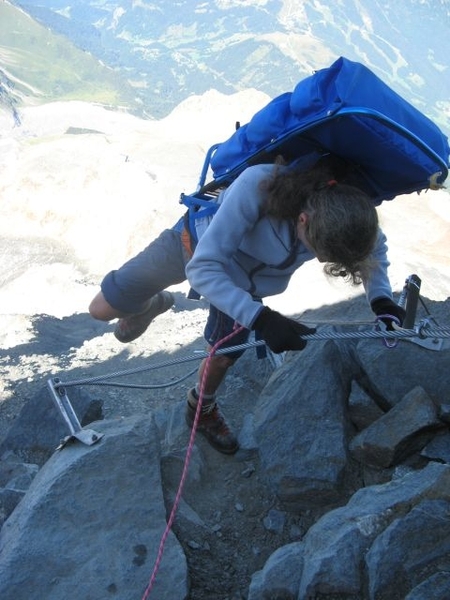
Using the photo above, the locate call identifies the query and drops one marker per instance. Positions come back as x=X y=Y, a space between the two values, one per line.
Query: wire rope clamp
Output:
x=64 y=406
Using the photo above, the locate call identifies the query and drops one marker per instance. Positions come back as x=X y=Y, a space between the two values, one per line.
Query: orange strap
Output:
x=187 y=241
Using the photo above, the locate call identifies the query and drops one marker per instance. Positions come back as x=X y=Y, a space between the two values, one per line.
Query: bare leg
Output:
x=212 y=423
x=100 y=309
x=217 y=369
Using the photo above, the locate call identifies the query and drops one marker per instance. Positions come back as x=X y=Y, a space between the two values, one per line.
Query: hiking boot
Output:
x=211 y=425
x=129 y=328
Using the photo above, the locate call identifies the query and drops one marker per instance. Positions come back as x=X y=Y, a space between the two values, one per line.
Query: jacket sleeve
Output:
x=207 y=271
x=377 y=285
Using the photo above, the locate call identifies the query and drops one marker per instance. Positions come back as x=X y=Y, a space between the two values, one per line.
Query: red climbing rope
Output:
x=186 y=462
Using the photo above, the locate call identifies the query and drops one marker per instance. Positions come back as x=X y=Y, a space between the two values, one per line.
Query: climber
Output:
x=272 y=219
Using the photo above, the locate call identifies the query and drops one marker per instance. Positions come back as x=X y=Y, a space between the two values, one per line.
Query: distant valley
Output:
x=149 y=56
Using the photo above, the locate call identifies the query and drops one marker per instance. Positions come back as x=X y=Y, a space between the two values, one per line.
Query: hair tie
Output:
x=331 y=182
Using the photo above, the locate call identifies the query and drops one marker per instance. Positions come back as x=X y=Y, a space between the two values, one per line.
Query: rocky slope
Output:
x=327 y=454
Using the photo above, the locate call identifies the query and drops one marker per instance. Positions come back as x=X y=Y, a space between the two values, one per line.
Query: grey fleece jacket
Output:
x=243 y=254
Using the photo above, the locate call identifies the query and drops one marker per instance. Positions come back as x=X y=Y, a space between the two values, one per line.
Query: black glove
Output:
x=280 y=333
x=389 y=312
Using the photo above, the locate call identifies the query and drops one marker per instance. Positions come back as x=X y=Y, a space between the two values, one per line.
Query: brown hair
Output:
x=343 y=222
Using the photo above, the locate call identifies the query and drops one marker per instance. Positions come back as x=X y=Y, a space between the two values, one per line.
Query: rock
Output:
x=363 y=411
x=444 y=413
x=381 y=528
x=110 y=521
x=39 y=428
x=306 y=463
x=394 y=373
x=434 y=588
x=345 y=515
x=15 y=474
x=405 y=429
x=274 y=521
x=15 y=479
x=248 y=446
x=335 y=547
x=439 y=448
x=410 y=548
x=9 y=499
x=281 y=575
x=185 y=512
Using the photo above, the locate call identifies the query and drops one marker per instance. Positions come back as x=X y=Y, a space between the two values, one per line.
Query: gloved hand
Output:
x=389 y=312
x=279 y=332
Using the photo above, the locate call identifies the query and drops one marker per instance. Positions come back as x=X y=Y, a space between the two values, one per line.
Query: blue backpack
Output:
x=344 y=110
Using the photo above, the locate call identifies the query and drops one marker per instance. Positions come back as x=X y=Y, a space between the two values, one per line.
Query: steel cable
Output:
x=422 y=331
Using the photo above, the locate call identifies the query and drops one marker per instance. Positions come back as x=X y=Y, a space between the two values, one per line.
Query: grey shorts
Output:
x=219 y=326
x=160 y=265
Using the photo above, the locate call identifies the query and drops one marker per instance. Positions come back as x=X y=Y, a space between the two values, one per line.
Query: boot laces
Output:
x=212 y=414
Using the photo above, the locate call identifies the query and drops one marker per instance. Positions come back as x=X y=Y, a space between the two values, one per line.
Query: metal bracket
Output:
x=62 y=402
x=408 y=300
x=427 y=342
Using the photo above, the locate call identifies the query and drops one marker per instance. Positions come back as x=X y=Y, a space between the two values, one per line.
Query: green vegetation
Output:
x=44 y=67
